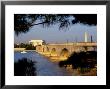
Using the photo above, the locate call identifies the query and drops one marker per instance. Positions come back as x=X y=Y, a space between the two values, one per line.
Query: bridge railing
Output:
x=78 y=44
x=87 y=44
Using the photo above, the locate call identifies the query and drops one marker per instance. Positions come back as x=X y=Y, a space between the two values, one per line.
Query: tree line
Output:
x=26 y=46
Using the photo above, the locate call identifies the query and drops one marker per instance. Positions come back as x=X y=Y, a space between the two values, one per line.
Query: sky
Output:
x=52 y=34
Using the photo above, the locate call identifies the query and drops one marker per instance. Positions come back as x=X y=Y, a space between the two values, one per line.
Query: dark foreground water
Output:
x=44 y=67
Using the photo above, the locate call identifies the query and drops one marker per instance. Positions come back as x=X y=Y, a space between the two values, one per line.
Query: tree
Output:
x=24 y=67
x=82 y=59
x=23 y=22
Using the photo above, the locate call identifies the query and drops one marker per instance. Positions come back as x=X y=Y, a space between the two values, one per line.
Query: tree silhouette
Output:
x=24 y=67
x=82 y=59
x=23 y=22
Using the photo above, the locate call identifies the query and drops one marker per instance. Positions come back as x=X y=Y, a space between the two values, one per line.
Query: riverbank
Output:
x=19 y=49
x=22 y=49
x=30 y=50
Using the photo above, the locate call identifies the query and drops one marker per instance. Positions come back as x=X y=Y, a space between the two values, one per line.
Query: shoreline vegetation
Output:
x=78 y=64
x=24 y=67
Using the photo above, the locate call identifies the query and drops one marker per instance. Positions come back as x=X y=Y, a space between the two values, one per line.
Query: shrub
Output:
x=82 y=59
x=24 y=67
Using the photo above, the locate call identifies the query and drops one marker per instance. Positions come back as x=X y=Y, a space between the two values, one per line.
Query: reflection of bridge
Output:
x=65 y=49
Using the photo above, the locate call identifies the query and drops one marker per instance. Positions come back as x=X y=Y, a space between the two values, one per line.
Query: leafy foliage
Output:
x=23 y=22
x=90 y=19
x=83 y=60
x=24 y=67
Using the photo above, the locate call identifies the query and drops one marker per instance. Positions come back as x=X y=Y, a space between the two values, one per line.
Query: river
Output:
x=44 y=67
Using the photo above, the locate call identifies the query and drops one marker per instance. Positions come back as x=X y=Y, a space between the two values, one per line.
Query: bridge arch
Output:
x=47 y=49
x=64 y=52
x=53 y=52
x=43 y=50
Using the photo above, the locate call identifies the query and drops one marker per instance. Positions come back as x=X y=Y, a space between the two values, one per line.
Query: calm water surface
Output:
x=44 y=67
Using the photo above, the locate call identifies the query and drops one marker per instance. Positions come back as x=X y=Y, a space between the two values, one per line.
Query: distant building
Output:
x=36 y=42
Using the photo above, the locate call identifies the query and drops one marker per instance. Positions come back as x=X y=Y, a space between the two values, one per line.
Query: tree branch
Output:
x=38 y=23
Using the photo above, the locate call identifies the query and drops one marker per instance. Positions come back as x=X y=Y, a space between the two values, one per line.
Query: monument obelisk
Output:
x=85 y=37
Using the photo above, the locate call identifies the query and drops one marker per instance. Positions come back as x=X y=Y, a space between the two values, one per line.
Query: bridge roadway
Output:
x=65 y=49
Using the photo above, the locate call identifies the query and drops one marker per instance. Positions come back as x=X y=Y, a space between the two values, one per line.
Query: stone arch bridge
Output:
x=64 y=50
